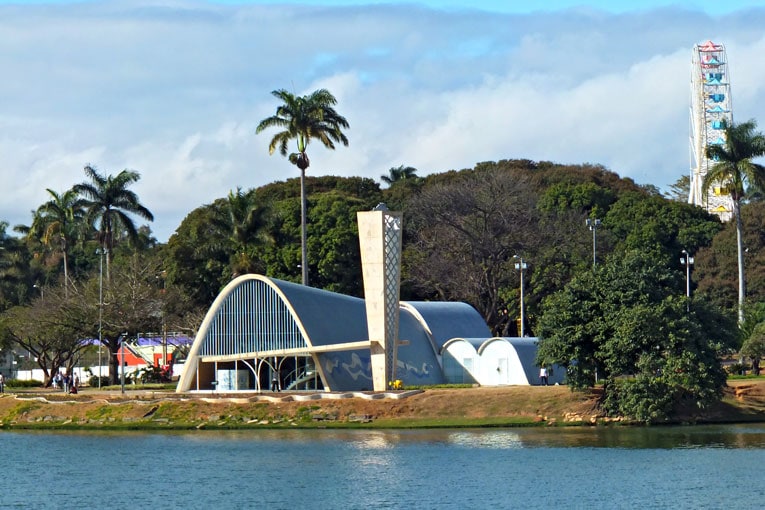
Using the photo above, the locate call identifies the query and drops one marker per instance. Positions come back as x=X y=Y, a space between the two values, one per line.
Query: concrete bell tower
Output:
x=380 y=243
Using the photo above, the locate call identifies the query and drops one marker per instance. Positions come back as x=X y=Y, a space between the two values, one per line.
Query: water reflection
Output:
x=686 y=437
x=375 y=440
x=504 y=439
x=670 y=437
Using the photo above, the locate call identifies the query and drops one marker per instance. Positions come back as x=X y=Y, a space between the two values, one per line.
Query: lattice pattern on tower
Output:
x=392 y=247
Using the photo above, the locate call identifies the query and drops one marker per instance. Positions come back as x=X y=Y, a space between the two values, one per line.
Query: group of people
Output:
x=66 y=382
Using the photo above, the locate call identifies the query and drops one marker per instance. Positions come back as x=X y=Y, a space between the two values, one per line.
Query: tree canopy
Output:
x=626 y=326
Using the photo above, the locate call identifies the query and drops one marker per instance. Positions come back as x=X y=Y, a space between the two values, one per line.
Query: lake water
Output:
x=660 y=467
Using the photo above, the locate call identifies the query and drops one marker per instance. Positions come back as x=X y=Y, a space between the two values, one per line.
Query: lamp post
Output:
x=122 y=361
x=593 y=225
x=100 y=311
x=163 y=276
x=521 y=266
x=687 y=260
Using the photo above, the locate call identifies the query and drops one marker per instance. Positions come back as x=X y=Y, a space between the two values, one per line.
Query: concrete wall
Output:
x=37 y=373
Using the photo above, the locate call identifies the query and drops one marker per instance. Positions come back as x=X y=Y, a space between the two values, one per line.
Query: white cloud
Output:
x=175 y=90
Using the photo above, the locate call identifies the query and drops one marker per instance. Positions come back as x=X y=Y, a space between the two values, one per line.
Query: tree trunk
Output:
x=108 y=267
x=304 y=248
x=114 y=367
x=740 y=246
x=66 y=275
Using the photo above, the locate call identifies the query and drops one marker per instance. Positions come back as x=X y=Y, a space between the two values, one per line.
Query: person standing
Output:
x=275 y=381
x=2 y=383
x=543 y=376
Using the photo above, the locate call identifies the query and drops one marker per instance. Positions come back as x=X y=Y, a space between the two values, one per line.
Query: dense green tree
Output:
x=109 y=204
x=242 y=222
x=582 y=197
x=658 y=226
x=333 y=248
x=15 y=281
x=752 y=334
x=626 y=326
x=303 y=118
x=754 y=346
x=735 y=169
x=199 y=255
x=715 y=268
x=191 y=260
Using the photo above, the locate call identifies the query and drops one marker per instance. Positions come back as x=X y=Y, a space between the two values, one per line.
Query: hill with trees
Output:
x=463 y=232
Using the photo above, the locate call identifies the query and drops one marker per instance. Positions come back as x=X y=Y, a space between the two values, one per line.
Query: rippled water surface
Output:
x=663 y=467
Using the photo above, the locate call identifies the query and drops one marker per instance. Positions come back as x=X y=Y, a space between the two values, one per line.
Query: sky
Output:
x=174 y=89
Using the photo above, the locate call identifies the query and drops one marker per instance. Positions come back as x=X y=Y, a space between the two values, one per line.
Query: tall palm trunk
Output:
x=66 y=275
x=740 y=247
x=304 y=248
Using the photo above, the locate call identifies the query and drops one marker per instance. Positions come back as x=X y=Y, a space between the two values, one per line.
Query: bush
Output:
x=646 y=399
x=154 y=374
x=18 y=383
x=93 y=381
x=737 y=368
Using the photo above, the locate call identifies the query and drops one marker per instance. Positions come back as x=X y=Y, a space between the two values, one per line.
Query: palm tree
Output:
x=303 y=118
x=58 y=223
x=399 y=174
x=241 y=220
x=736 y=171
x=108 y=202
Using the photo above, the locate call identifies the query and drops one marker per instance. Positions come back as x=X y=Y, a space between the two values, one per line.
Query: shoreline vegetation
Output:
x=508 y=406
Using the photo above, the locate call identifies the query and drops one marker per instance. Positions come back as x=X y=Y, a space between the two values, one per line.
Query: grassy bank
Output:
x=159 y=409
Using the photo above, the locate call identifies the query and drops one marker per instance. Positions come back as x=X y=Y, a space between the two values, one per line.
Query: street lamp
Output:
x=593 y=225
x=122 y=360
x=687 y=260
x=100 y=310
x=521 y=266
x=163 y=291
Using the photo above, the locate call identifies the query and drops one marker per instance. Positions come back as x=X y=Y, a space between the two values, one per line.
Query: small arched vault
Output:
x=495 y=361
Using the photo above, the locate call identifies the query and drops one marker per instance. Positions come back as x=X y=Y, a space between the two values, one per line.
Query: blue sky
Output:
x=503 y=6
x=175 y=88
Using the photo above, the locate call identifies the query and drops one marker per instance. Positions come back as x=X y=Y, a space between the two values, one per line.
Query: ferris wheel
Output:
x=711 y=108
